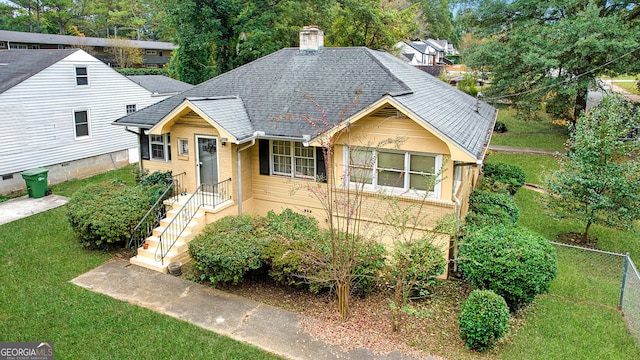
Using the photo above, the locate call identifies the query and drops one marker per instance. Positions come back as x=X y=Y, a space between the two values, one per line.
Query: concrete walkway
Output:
x=267 y=327
x=24 y=206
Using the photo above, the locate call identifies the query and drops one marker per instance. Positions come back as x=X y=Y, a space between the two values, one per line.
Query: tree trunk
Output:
x=343 y=299
x=585 y=235
x=396 y=312
x=581 y=102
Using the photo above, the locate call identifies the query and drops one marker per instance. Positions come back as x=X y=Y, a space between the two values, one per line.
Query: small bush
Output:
x=291 y=248
x=103 y=216
x=513 y=261
x=484 y=319
x=162 y=178
x=487 y=207
x=511 y=175
x=142 y=71
x=500 y=127
x=304 y=261
x=420 y=262
x=225 y=251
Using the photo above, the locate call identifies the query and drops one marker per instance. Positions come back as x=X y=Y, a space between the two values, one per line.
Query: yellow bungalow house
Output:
x=246 y=139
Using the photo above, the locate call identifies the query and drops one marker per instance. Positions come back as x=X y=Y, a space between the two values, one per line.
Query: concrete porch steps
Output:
x=150 y=258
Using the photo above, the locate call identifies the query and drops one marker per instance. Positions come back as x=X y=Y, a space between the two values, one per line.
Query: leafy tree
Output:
x=598 y=181
x=437 y=19
x=125 y=53
x=368 y=23
x=551 y=52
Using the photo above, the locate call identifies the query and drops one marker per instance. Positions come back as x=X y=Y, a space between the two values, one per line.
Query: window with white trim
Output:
x=81 y=123
x=3 y=44
x=130 y=108
x=183 y=146
x=82 y=76
x=395 y=171
x=151 y=52
x=35 y=47
x=289 y=158
x=160 y=147
x=151 y=66
x=18 y=47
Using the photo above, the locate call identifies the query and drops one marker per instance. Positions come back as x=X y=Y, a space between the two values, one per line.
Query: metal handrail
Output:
x=145 y=226
x=201 y=197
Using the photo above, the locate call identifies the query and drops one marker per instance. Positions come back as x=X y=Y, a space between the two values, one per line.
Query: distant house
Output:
x=428 y=52
x=156 y=54
x=160 y=85
x=56 y=109
x=244 y=139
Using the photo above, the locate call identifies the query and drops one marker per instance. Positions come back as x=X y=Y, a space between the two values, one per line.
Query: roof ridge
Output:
x=369 y=52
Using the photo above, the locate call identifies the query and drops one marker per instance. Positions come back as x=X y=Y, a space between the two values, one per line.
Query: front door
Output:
x=207 y=160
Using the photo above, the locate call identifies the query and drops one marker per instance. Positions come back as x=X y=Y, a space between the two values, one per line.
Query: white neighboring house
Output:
x=417 y=52
x=56 y=109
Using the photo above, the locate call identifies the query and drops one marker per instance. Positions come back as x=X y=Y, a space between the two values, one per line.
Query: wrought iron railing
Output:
x=157 y=212
x=205 y=195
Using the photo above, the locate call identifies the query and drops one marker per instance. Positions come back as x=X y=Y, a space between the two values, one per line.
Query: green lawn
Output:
x=533 y=165
x=631 y=87
x=38 y=303
x=546 y=134
x=578 y=319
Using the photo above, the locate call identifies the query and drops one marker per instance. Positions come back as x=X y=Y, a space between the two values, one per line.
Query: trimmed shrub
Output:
x=484 y=319
x=226 y=250
x=298 y=254
x=103 y=216
x=513 y=261
x=291 y=247
x=142 y=71
x=500 y=127
x=162 y=178
x=420 y=262
x=487 y=207
x=511 y=175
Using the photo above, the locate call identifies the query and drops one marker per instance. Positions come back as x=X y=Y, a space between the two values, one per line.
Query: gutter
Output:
x=252 y=141
x=126 y=128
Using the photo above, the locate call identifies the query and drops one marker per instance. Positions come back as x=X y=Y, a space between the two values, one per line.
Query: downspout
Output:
x=239 y=167
x=126 y=128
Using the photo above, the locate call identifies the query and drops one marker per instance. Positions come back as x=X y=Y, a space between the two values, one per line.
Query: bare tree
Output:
x=125 y=52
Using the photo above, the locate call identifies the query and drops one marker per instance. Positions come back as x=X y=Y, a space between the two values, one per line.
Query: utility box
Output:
x=37 y=182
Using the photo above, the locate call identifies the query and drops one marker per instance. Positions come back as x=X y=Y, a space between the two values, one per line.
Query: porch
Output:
x=163 y=235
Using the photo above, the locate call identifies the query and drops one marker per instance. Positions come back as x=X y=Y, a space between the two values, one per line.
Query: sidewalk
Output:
x=267 y=327
x=24 y=206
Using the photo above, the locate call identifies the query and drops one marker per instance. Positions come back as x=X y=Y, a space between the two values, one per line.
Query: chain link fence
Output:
x=599 y=277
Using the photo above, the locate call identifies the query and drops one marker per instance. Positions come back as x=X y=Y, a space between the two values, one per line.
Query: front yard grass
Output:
x=540 y=133
x=533 y=165
x=38 y=303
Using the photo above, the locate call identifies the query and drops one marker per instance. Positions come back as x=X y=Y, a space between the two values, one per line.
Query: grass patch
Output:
x=125 y=174
x=631 y=87
x=549 y=141
x=556 y=328
x=533 y=165
x=516 y=125
x=620 y=77
x=40 y=256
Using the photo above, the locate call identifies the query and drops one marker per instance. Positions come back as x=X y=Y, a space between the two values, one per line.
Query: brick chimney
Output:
x=311 y=39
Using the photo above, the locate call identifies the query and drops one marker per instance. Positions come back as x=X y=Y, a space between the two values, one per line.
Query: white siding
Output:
x=36 y=116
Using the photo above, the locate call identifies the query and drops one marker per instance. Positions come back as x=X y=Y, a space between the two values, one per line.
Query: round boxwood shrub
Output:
x=484 y=319
x=513 y=261
x=487 y=207
x=511 y=175
x=226 y=250
x=420 y=262
x=104 y=216
x=500 y=127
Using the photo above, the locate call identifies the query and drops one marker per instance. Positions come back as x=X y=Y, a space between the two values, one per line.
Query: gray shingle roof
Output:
x=285 y=94
x=17 y=66
x=37 y=38
x=160 y=84
x=228 y=112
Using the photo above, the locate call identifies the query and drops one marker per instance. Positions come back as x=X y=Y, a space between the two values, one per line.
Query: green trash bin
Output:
x=37 y=182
